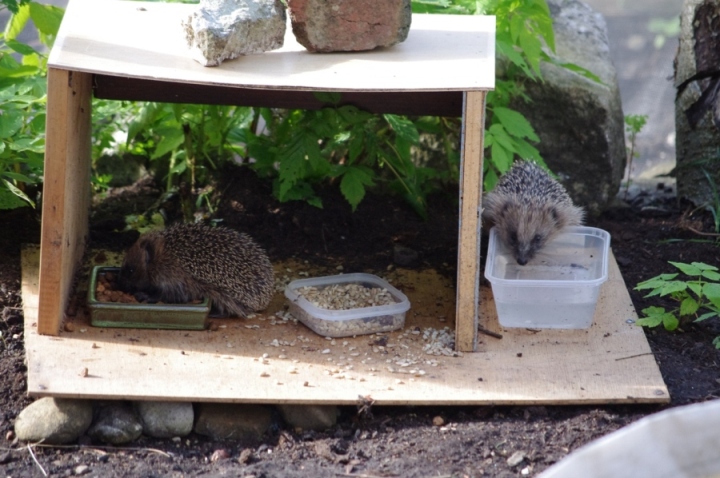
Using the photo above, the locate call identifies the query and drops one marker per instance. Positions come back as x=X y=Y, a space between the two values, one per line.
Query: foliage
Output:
x=22 y=100
x=698 y=297
x=351 y=146
x=633 y=126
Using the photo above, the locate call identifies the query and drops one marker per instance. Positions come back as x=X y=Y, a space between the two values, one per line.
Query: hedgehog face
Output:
x=526 y=229
x=134 y=274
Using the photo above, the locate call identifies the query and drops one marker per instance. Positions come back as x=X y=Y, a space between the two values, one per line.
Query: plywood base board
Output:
x=266 y=359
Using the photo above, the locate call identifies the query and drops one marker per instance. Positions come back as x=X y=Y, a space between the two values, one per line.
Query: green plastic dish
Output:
x=144 y=316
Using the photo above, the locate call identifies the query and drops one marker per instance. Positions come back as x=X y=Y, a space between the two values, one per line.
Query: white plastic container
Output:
x=558 y=289
x=345 y=323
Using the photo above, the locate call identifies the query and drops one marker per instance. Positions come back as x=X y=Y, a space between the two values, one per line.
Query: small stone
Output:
x=116 y=423
x=309 y=417
x=220 y=30
x=404 y=256
x=222 y=421
x=245 y=456
x=54 y=421
x=218 y=455
x=438 y=421
x=165 y=419
x=10 y=435
x=81 y=470
x=69 y=327
x=516 y=458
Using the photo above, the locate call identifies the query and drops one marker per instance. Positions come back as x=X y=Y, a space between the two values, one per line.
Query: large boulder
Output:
x=697 y=104
x=579 y=121
x=350 y=25
x=220 y=30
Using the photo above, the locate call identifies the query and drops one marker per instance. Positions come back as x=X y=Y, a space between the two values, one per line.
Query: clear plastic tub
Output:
x=558 y=289
x=345 y=323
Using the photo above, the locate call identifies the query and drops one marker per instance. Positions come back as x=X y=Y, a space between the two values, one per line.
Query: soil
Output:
x=369 y=441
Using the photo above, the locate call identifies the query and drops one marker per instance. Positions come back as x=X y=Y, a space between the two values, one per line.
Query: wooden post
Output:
x=66 y=192
x=471 y=177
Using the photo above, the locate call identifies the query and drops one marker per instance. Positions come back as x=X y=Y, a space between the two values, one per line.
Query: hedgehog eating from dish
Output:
x=189 y=262
x=529 y=208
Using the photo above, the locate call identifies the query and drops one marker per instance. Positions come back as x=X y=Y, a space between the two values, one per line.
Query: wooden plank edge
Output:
x=65 y=198
x=432 y=103
x=468 y=265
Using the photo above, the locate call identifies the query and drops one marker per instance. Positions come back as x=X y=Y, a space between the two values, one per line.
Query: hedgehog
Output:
x=528 y=208
x=188 y=262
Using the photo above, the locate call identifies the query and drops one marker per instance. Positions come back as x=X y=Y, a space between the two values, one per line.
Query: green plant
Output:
x=353 y=147
x=633 y=126
x=698 y=296
x=22 y=100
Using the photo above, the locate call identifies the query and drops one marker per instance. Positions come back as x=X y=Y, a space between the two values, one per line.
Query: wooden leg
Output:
x=66 y=192
x=471 y=177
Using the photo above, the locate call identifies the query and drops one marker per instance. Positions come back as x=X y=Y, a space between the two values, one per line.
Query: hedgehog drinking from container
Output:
x=528 y=208
x=189 y=262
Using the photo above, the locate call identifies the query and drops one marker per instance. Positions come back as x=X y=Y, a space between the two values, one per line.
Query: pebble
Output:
x=54 y=421
x=516 y=458
x=309 y=417
x=81 y=470
x=220 y=454
x=438 y=421
x=223 y=421
x=116 y=424
x=165 y=419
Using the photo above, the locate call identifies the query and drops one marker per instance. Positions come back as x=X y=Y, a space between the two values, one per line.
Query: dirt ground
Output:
x=386 y=441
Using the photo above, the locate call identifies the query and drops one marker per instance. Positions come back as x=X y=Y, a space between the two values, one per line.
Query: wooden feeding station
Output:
x=136 y=51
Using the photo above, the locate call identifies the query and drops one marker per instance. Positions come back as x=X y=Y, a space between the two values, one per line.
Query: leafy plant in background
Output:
x=22 y=100
x=698 y=296
x=633 y=126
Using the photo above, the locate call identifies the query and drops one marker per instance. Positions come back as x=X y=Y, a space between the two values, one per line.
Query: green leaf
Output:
x=711 y=275
x=716 y=342
x=687 y=269
x=21 y=48
x=705 y=316
x=672 y=287
x=171 y=141
x=688 y=306
x=704 y=267
x=501 y=158
x=695 y=287
x=712 y=293
x=670 y=322
x=10 y=123
x=656 y=281
x=47 y=18
x=403 y=127
x=354 y=181
x=18 y=195
x=515 y=123
x=17 y=22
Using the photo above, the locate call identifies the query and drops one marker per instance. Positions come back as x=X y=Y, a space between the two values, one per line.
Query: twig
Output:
x=485 y=331
x=699 y=233
x=632 y=356
x=29 y=447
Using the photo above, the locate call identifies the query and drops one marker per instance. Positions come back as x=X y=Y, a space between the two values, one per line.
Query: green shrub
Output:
x=23 y=90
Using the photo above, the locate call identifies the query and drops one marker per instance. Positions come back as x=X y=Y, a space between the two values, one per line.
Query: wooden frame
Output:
x=444 y=68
